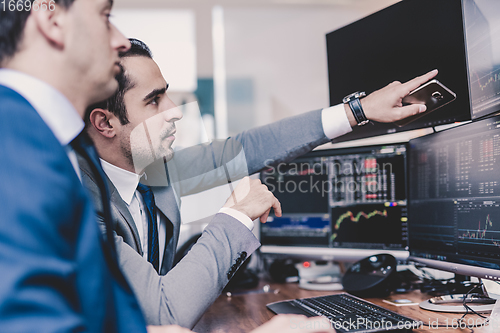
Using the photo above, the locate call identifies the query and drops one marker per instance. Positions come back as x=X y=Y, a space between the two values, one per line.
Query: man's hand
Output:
x=253 y=199
x=295 y=324
x=385 y=105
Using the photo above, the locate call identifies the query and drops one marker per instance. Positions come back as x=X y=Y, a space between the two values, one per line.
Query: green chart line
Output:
x=356 y=218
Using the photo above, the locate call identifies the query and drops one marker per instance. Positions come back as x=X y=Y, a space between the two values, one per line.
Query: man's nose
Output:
x=172 y=113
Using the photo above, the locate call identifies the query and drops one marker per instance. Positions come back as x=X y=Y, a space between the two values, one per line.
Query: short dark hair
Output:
x=115 y=104
x=12 y=23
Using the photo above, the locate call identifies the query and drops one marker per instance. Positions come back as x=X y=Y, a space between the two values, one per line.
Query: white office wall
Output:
x=170 y=34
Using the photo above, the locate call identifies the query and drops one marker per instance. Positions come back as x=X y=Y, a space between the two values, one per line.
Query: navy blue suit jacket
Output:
x=53 y=275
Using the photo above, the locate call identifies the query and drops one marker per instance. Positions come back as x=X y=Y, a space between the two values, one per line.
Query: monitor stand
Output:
x=319 y=275
x=454 y=303
x=479 y=302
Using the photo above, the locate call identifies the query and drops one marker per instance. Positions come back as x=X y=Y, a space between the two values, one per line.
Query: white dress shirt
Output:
x=52 y=106
x=335 y=121
x=126 y=184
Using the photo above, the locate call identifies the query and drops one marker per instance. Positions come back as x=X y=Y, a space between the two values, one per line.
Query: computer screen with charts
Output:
x=401 y=42
x=454 y=199
x=339 y=204
x=482 y=28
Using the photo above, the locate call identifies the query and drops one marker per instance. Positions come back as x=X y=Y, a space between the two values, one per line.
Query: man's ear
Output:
x=50 y=23
x=104 y=122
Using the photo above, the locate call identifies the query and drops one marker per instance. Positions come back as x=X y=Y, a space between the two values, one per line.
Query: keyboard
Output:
x=348 y=313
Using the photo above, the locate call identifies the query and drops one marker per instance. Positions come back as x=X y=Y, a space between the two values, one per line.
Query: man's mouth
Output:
x=118 y=68
x=170 y=135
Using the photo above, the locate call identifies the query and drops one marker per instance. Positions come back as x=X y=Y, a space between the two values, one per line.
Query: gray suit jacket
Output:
x=183 y=295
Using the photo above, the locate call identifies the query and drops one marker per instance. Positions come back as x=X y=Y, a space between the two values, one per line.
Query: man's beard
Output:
x=141 y=153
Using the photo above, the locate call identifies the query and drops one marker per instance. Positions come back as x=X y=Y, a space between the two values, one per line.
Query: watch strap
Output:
x=358 y=112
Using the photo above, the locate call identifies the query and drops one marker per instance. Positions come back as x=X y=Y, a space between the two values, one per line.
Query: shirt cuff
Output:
x=335 y=122
x=239 y=216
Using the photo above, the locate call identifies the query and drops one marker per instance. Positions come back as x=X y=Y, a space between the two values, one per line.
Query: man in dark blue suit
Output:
x=57 y=272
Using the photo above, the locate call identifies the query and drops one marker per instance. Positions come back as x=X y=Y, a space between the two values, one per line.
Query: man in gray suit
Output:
x=142 y=109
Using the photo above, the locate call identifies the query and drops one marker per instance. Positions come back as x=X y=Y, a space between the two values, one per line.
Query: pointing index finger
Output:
x=277 y=207
x=418 y=81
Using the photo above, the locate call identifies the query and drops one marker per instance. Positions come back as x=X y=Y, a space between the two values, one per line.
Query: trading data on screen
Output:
x=353 y=197
x=454 y=195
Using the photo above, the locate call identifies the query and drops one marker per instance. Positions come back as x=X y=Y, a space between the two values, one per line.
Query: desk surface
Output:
x=242 y=313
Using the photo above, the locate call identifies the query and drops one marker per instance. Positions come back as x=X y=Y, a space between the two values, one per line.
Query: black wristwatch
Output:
x=355 y=105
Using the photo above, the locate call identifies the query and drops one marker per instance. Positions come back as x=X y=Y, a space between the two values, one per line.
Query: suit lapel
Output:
x=167 y=205
x=125 y=218
x=122 y=216
x=166 y=202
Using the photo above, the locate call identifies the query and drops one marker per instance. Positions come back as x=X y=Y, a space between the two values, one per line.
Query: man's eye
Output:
x=108 y=16
x=155 y=101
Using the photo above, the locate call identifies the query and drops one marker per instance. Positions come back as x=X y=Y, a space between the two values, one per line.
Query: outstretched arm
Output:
x=204 y=166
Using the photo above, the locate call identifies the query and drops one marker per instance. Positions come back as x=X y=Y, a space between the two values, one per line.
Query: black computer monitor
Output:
x=401 y=42
x=482 y=27
x=454 y=199
x=339 y=204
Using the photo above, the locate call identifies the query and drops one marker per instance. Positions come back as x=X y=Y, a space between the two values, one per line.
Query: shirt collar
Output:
x=52 y=106
x=125 y=181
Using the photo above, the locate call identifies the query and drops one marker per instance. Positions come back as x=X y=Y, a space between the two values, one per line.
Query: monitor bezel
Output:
x=462 y=269
x=339 y=254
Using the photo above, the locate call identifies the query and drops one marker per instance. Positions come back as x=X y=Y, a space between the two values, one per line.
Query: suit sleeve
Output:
x=182 y=295
x=39 y=224
x=201 y=167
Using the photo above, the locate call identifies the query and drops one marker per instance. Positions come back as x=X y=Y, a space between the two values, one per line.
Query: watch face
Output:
x=349 y=97
x=357 y=94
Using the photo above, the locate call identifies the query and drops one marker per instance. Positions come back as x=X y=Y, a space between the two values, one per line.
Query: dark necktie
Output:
x=84 y=146
x=153 y=247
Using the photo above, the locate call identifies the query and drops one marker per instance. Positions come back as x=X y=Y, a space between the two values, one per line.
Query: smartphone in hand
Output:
x=433 y=94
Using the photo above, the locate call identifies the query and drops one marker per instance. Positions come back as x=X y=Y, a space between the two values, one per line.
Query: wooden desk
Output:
x=242 y=313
